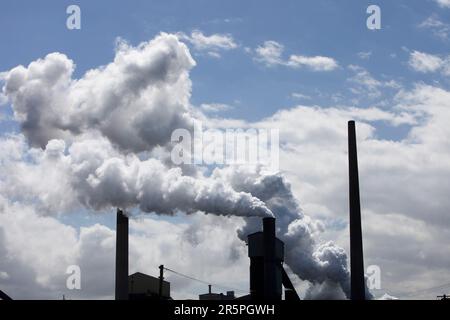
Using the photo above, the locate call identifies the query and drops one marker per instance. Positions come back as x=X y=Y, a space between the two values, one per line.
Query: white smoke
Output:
x=136 y=101
x=95 y=140
x=98 y=176
x=107 y=118
x=317 y=263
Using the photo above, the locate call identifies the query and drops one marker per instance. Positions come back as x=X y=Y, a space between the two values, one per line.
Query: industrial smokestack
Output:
x=356 y=246
x=266 y=254
x=270 y=267
x=121 y=256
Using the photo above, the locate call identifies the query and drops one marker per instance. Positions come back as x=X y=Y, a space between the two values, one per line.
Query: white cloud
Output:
x=365 y=85
x=36 y=251
x=438 y=28
x=215 y=107
x=212 y=44
x=214 y=54
x=424 y=62
x=298 y=95
x=365 y=55
x=316 y=63
x=270 y=53
x=206 y=248
x=443 y=3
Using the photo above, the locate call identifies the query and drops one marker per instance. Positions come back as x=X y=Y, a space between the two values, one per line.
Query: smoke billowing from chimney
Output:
x=104 y=139
x=115 y=121
x=310 y=261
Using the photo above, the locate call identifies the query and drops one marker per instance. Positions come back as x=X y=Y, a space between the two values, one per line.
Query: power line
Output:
x=203 y=281
x=186 y=276
x=411 y=294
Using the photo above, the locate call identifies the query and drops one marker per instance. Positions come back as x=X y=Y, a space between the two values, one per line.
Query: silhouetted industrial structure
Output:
x=144 y=287
x=121 y=256
x=216 y=296
x=356 y=246
x=138 y=286
x=267 y=275
x=265 y=250
x=266 y=254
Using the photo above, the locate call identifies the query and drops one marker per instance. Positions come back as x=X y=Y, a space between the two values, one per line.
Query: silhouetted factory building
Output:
x=267 y=276
x=217 y=296
x=142 y=286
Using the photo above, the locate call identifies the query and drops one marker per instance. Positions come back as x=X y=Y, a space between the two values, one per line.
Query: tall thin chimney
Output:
x=121 y=256
x=356 y=246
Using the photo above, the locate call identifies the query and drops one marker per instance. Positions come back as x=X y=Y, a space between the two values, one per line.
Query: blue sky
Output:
x=362 y=68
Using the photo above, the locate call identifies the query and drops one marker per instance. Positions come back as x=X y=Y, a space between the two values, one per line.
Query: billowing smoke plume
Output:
x=136 y=101
x=108 y=118
x=312 y=262
x=101 y=141
x=98 y=176
x=110 y=179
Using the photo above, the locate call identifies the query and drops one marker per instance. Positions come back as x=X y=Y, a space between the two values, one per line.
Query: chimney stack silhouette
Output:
x=356 y=246
x=121 y=256
x=266 y=253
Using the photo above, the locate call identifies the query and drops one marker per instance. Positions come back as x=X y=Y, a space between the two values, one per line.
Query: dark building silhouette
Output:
x=356 y=246
x=216 y=296
x=144 y=287
x=266 y=254
x=267 y=275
